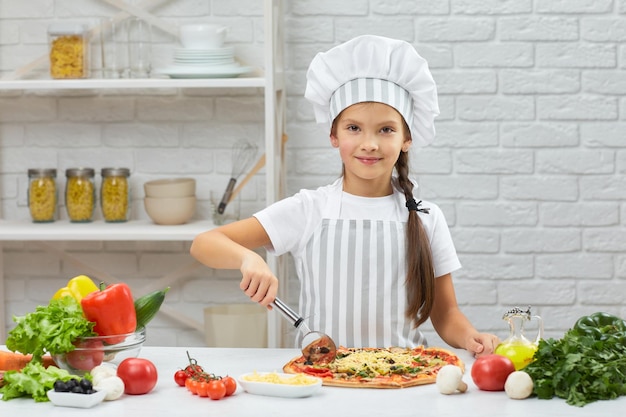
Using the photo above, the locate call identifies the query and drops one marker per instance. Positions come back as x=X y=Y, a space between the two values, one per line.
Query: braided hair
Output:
x=420 y=277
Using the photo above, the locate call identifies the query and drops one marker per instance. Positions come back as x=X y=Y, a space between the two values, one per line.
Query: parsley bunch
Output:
x=580 y=367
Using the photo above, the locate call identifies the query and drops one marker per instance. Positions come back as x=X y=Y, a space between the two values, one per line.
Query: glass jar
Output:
x=80 y=194
x=69 y=50
x=115 y=194
x=42 y=194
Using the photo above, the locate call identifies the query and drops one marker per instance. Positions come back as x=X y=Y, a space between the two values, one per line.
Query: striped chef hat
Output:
x=374 y=68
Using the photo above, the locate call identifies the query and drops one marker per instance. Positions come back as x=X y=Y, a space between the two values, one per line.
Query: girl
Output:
x=373 y=262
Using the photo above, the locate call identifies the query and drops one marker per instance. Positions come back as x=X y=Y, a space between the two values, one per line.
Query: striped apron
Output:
x=352 y=275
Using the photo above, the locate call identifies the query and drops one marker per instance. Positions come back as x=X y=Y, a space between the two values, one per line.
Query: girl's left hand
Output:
x=482 y=344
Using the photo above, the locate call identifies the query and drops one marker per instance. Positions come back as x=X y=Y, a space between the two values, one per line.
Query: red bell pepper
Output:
x=112 y=309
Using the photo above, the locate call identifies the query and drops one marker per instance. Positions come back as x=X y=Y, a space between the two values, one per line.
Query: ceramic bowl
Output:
x=93 y=351
x=170 y=211
x=202 y=36
x=170 y=187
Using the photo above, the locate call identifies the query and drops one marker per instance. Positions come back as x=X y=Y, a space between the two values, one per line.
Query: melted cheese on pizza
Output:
x=373 y=363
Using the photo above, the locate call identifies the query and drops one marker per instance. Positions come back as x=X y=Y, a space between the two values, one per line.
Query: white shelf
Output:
x=136 y=230
x=125 y=84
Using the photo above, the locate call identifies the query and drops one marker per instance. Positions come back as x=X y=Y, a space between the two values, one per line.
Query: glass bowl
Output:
x=97 y=350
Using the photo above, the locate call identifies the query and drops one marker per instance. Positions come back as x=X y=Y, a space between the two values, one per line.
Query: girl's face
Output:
x=369 y=136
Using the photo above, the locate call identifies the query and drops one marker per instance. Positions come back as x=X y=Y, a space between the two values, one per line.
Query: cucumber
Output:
x=148 y=305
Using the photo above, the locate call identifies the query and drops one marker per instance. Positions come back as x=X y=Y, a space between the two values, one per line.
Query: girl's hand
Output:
x=258 y=282
x=482 y=344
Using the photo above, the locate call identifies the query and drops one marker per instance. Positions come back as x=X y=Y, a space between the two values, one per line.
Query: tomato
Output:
x=188 y=383
x=216 y=389
x=139 y=375
x=230 y=384
x=489 y=372
x=203 y=389
x=193 y=370
x=180 y=377
x=89 y=355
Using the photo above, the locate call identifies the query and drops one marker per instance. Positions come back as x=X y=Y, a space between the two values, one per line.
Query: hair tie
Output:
x=413 y=205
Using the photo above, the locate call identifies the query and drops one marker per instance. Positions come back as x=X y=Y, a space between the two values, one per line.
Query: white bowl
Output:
x=202 y=36
x=170 y=187
x=170 y=211
x=71 y=399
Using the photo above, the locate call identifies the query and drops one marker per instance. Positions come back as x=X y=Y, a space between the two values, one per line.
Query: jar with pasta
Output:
x=115 y=194
x=69 y=50
x=80 y=194
x=42 y=195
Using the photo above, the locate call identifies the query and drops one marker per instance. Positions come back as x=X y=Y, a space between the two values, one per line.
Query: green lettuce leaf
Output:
x=52 y=328
x=32 y=381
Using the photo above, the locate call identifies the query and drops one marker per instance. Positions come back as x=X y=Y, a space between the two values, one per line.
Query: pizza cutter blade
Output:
x=317 y=347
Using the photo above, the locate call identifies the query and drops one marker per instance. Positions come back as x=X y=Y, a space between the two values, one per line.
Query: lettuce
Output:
x=33 y=381
x=52 y=328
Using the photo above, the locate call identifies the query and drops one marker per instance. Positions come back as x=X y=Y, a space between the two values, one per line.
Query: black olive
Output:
x=60 y=386
x=77 y=389
x=85 y=384
x=324 y=350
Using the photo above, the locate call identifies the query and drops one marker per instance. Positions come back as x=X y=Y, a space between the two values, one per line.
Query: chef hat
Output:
x=374 y=68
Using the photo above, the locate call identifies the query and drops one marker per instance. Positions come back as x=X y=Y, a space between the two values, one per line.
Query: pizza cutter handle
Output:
x=287 y=312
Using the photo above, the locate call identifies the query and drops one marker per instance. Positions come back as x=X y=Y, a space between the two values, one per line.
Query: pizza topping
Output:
x=369 y=363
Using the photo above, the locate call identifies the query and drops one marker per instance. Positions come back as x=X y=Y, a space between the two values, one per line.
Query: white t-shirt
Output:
x=290 y=222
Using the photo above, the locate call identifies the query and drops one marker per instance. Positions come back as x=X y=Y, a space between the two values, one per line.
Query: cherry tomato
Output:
x=139 y=375
x=489 y=372
x=180 y=377
x=193 y=368
x=89 y=355
x=216 y=389
x=230 y=384
x=203 y=389
x=192 y=385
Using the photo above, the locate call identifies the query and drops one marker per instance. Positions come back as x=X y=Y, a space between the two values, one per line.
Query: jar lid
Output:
x=80 y=172
x=67 y=28
x=42 y=172
x=115 y=172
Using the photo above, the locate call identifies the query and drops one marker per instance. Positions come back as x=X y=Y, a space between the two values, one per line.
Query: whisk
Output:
x=243 y=155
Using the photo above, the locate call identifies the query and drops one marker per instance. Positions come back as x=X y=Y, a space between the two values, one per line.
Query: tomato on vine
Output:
x=216 y=389
x=230 y=384
x=180 y=377
x=193 y=368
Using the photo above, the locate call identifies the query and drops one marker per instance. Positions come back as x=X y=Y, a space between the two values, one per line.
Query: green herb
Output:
x=32 y=381
x=581 y=367
x=52 y=328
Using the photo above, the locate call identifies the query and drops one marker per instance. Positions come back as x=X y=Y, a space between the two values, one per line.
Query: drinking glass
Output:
x=114 y=48
x=140 y=48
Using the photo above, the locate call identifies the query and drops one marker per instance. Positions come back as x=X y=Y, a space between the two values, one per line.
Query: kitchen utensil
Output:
x=256 y=168
x=243 y=154
x=317 y=347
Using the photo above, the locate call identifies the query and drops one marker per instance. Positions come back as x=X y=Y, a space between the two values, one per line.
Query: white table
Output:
x=170 y=400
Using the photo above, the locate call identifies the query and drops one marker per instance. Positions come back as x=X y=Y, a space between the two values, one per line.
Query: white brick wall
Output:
x=528 y=164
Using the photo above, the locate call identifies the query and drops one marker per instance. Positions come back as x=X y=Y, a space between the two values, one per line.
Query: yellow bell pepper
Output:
x=77 y=288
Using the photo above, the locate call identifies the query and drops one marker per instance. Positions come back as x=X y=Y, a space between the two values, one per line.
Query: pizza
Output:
x=392 y=367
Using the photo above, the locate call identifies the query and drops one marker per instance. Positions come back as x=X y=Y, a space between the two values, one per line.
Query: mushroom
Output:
x=449 y=380
x=112 y=385
x=518 y=385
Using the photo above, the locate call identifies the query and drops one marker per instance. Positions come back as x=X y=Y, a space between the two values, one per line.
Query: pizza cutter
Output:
x=317 y=347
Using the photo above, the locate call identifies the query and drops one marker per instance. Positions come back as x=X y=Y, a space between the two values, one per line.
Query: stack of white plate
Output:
x=204 y=63
x=204 y=57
